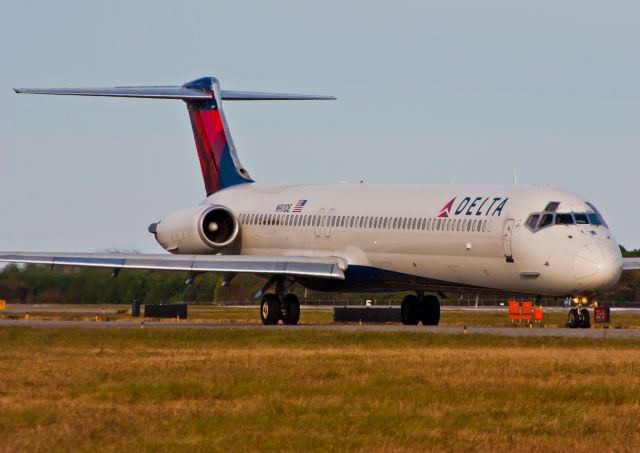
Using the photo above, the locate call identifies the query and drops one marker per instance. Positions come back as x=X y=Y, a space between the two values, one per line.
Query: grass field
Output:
x=231 y=390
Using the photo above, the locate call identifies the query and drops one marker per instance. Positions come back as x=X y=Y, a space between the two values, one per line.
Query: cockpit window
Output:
x=602 y=222
x=564 y=219
x=547 y=219
x=581 y=219
x=594 y=219
x=540 y=220
x=552 y=206
x=532 y=221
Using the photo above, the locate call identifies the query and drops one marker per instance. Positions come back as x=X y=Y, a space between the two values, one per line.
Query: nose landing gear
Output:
x=579 y=315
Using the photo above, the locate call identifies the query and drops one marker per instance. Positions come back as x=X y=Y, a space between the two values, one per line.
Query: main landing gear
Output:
x=420 y=308
x=579 y=314
x=275 y=308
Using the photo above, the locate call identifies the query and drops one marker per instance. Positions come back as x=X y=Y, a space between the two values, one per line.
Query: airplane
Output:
x=360 y=237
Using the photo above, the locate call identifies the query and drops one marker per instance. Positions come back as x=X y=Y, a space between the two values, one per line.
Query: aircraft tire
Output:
x=585 y=322
x=293 y=309
x=409 y=311
x=573 y=321
x=430 y=311
x=270 y=310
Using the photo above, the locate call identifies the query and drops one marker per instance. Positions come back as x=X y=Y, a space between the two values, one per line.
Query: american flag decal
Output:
x=299 y=206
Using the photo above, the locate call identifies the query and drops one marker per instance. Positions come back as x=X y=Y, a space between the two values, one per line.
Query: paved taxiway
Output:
x=446 y=330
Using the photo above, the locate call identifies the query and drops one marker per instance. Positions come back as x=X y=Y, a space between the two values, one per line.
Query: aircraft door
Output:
x=318 y=224
x=327 y=222
x=507 y=233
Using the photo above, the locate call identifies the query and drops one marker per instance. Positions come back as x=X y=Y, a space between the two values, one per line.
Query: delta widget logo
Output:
x=480 y=206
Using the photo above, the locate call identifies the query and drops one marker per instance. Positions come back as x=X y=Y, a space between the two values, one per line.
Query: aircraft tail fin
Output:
x=219 y=161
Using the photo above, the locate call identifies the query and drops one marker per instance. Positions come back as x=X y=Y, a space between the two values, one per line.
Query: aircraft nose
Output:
x=598 y=267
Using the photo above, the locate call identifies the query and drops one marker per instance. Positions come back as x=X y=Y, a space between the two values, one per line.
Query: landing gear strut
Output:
x=421 y=308
x=274 y=308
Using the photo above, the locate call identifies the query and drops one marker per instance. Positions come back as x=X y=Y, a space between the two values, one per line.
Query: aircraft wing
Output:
x=630 y=264
x=295 y=266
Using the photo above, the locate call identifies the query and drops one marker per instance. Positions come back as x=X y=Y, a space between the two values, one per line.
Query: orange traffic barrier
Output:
x=524 y=311
x=537 y=314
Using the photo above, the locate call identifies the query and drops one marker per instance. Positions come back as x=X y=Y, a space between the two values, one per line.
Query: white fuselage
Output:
x=430 y=236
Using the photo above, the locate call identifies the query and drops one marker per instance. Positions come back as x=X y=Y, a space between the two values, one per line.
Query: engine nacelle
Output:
x=200 y=230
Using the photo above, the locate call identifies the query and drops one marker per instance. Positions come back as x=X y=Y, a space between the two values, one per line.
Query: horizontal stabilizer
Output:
x=125 y=92
x=257 y=96
x=173 y=92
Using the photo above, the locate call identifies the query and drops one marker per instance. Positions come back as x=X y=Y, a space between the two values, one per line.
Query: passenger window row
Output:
x=366 y=222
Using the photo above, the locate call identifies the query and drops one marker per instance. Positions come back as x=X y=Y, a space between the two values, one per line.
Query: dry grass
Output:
x=125 y=389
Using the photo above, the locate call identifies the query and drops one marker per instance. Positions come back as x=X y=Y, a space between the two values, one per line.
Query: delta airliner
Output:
x=361 y=237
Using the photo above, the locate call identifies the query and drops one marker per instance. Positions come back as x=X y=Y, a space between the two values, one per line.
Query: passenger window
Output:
x=581 y=219
x=564 y=219
x=547 y=219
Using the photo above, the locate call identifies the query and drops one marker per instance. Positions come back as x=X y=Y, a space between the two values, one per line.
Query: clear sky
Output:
x=429 y=91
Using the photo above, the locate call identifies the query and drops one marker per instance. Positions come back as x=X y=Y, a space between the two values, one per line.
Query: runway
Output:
x=442 y=330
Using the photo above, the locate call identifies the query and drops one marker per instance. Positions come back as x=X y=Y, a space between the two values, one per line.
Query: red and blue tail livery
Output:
x=218 y=159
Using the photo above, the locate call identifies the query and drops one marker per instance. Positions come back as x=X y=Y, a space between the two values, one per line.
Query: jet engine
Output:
x=200 y=230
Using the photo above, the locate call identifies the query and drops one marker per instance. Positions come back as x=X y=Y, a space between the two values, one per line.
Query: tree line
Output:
x=37 y=284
